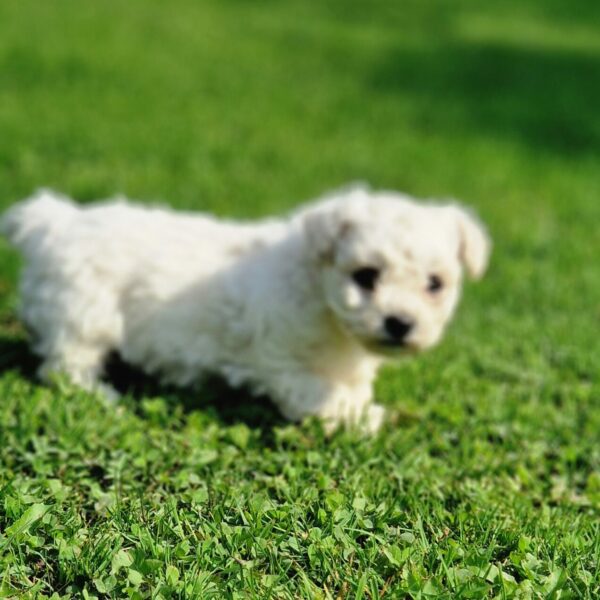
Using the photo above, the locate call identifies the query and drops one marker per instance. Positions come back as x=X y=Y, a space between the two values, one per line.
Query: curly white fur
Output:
x=274 y=305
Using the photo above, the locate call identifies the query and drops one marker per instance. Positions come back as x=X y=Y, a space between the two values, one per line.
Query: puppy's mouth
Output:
x=388 y=346
x=394 y=344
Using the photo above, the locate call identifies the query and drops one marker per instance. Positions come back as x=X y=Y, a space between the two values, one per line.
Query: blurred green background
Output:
x=487 y=484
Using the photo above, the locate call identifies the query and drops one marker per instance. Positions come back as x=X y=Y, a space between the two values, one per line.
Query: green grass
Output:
x=486 y=482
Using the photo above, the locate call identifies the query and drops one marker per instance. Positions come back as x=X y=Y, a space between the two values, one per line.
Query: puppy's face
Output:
x=391 y=269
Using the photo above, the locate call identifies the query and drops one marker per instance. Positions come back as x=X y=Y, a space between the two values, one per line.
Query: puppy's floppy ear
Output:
x=474 y=244
x=323 y=228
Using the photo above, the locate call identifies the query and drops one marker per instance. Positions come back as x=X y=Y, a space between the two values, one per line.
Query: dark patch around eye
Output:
x=366 y=278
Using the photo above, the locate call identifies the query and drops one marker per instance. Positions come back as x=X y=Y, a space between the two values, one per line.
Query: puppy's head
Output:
x=391 y=269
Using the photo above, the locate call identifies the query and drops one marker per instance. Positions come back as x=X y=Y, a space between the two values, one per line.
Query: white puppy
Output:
x=304 y=308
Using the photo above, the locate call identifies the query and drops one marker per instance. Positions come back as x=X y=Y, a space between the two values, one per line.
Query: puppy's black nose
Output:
x=397 y=328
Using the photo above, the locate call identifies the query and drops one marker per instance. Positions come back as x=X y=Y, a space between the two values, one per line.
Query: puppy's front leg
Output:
x=337 y=404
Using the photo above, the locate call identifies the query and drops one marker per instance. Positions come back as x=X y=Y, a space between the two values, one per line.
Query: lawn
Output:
x=485 y=483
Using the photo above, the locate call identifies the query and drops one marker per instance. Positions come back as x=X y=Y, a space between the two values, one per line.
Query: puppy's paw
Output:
x=366 y=423
x=107 y=393
x=66 y=384
x=373 y=418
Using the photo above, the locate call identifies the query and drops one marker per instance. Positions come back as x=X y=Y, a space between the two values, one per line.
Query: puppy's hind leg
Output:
x=74 y=335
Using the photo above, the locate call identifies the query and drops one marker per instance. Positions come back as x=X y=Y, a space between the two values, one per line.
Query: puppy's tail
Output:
x=29 y=224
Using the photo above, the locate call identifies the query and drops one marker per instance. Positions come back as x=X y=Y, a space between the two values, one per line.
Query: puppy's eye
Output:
x=435 y=284
x=366 y=278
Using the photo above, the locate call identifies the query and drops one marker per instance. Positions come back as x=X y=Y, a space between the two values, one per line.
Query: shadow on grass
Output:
x=229 y=405
x=15 y=355
x=546 y=98
x=226 y=404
